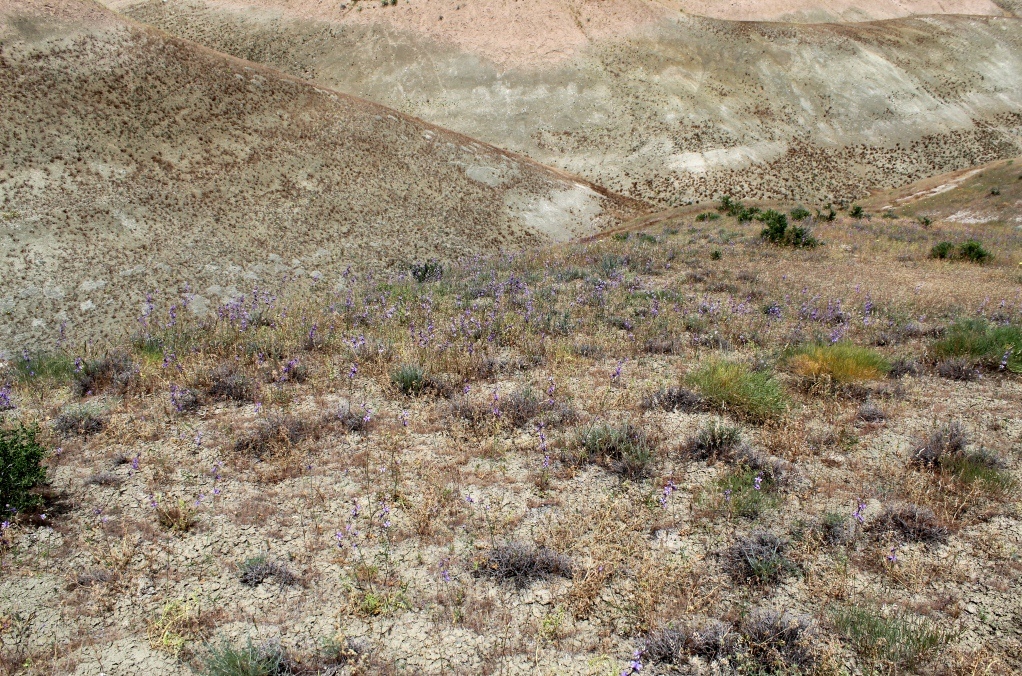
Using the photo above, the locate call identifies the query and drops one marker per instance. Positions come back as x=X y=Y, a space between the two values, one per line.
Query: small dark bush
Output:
x=355 y=420
x=707 y=216
x=870 y=412
x=776 y=226
x=226 y=383
x=942 y=250
x=663 y=345
x=857 y=212
x=911 y=523
x=716 y=439
x=673 y=399
x=185 y=399
x=716 y=255
x=628 y=450
x=799 y=214
x=828 y=216
x=427 y=271
x=903 y=367
x=78 y=420
x=758 y=558
x=970 y=250
x=254 y=571
x=735 y=208
x=520 y=407
x=115 y=372
x=946 y=440
x=588 y=350
x=836 y=528
x=519 y=564
x=21 y=468
x=957 y=368
x=715 y=640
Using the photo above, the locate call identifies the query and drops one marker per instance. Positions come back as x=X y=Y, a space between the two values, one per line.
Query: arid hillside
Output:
x=135 y=162
x=662 y=105
x=723 y=441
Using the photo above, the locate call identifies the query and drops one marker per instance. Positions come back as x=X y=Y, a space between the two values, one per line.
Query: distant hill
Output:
x=659 y=103
x=133 y=161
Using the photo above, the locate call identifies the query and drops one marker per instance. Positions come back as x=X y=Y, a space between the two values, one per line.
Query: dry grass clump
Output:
x=272 y=435
x=520 y=564
x=114 y=372
x=673 y=399
x=257 y=569
x=766 y=641
x=943 y=442
x=870 y=412
x=759 y=558
x=227 y=383
x=910 y=523
x=627 y=449
x=957 y=368
x=79 y=420
x=715 y=440
x=838 y=364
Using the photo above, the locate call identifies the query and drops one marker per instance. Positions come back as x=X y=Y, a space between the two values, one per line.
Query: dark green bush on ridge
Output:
x=21 y=468
x=970 y=250
x=777 y=231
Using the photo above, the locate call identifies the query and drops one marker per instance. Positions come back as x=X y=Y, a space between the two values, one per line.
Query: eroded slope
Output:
x=666 y=108
x=136 y=162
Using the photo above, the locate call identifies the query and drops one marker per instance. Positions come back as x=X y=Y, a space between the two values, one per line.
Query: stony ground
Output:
x=406 y=480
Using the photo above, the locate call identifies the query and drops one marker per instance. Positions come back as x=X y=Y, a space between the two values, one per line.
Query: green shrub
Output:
x=970 y=250
x=799 y=214
x=716 y=255
x=777 y=231
x=21 y=468
x=857 y=212
x=733 y=207
x=829 y=215
x=410 y=379
x=994 y=346
x=893 y=642
x=942 y=250
x=839 y=363
x=247 y=660
x=736 y=387
x=707 y=216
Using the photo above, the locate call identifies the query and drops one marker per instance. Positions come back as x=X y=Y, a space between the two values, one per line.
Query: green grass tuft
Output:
x=737 y=388
x=893 y=642
x=987 y=345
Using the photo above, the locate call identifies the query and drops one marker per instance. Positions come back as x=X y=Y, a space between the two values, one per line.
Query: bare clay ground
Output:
x=663 y=106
